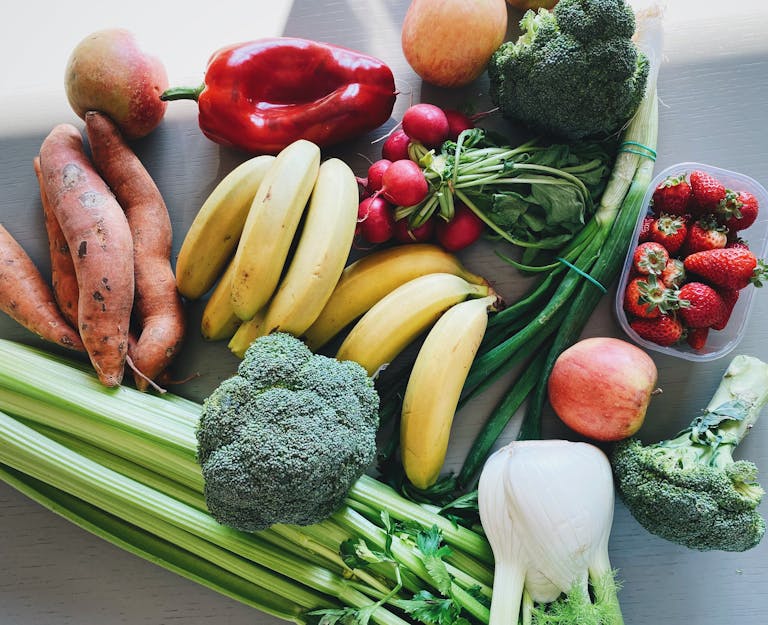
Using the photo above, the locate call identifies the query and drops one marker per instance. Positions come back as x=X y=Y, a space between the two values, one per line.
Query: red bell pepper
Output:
x=262 y=95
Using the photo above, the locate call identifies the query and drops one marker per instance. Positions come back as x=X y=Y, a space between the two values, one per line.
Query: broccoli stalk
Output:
x=690 y=489
x=574 y=72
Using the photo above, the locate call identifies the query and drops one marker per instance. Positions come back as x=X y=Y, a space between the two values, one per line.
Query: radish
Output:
x=403 y=183
x=375 y=220
x=375 y=172
x=464 y=229
x=457 y=122
x=405 y=234
x=395 y=148
x=426 y=123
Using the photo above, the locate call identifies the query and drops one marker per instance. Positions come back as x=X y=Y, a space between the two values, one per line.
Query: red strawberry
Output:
x=650 y=257
x=645 y=229
x=738 y=211
x=700 y=305
x=730 y=297
x=697 y=337
x=707 y=191
x=705 y=234
x=664 y=330
x=732 y=268
x=672 y=196
x=737 y=242
x=669 y=230
x=674 y=273
x=647 y=297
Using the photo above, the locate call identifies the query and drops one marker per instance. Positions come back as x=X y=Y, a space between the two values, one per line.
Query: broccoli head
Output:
x=284 y=439
x=689 y=489
x=574 y=72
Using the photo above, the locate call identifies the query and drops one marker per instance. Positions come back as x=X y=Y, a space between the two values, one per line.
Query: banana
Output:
x=402 y=315
x=216 y=228
x=247 y=333
x=219 y=319
x=321 y=253
x=434 y=387
x=271 y=225
x=369 y=279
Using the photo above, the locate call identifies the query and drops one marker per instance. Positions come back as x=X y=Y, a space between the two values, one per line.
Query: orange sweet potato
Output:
x=63 y=277
x=99 y=238
x=26 y=297
x=158 y=304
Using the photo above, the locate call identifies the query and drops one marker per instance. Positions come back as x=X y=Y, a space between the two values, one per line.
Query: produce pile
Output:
x=310 y=482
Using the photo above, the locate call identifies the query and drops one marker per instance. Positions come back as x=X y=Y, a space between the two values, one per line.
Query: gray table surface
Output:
x=713 y=88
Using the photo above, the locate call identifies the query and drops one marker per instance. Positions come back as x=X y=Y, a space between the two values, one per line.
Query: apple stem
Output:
x=182 y=93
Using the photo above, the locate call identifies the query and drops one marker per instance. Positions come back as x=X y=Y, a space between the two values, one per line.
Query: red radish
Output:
x=426 y=123
x=404 y=184
x=405 y=234
x=464 y=229
x=395 y=148
x=375 y=173
x=375 y=220
x=457 y=122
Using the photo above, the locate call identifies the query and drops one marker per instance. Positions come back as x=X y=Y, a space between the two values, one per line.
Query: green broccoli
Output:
x=689 y=489
x=284 y=439
x=574 y=71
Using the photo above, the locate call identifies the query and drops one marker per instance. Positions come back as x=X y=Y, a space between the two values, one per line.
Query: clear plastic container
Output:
x=719 y=343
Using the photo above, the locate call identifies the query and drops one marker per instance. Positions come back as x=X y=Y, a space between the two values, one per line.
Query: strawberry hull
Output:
x=718 y=343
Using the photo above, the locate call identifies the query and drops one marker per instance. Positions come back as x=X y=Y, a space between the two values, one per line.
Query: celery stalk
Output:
x=161 y=552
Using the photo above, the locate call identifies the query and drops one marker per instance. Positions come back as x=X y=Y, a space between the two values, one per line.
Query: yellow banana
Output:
x=247 y=333
x=219 y=319
x=369 y=279
x=434 y=387
x=402 y=315
x=271 y=225
x=321 y=253
x=216 y=228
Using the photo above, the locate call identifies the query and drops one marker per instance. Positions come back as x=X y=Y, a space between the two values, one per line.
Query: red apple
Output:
x=448 y=43
x=108 y=72
x=600 y=387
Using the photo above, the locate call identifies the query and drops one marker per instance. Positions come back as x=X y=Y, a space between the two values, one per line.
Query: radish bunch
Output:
x=396 y=180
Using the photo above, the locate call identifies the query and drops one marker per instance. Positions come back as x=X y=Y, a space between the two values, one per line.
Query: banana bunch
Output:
x=434 y=387
x=402 y=315
x=245 y=232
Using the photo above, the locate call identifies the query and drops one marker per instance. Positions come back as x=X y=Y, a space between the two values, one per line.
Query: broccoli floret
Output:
x=689 y=489
x=574 y=72
x=284 y=439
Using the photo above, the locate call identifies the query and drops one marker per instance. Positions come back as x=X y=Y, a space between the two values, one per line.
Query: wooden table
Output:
x=713 y=89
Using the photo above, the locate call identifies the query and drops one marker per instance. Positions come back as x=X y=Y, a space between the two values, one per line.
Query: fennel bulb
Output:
x=547 y=508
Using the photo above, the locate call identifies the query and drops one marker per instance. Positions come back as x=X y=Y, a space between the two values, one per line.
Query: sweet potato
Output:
x=158 y=303
x=98 y=235
x=63 y=277
x=26 y=297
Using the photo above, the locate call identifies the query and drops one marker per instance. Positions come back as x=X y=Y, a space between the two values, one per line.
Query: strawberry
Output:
x=674 y=273
x=650 y=258
x=645 y=229
x=732 y=268
x=707 y=191
x=705 y=234
x=663 y=330
x=738 y=211
x=697 y=337
x=672 y=196
x=737 y=242
x=669 y=230
x=730 y=297
x=700 y=305
x=647 y=297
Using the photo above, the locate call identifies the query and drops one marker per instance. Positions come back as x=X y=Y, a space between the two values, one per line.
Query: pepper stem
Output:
x=182 y=93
